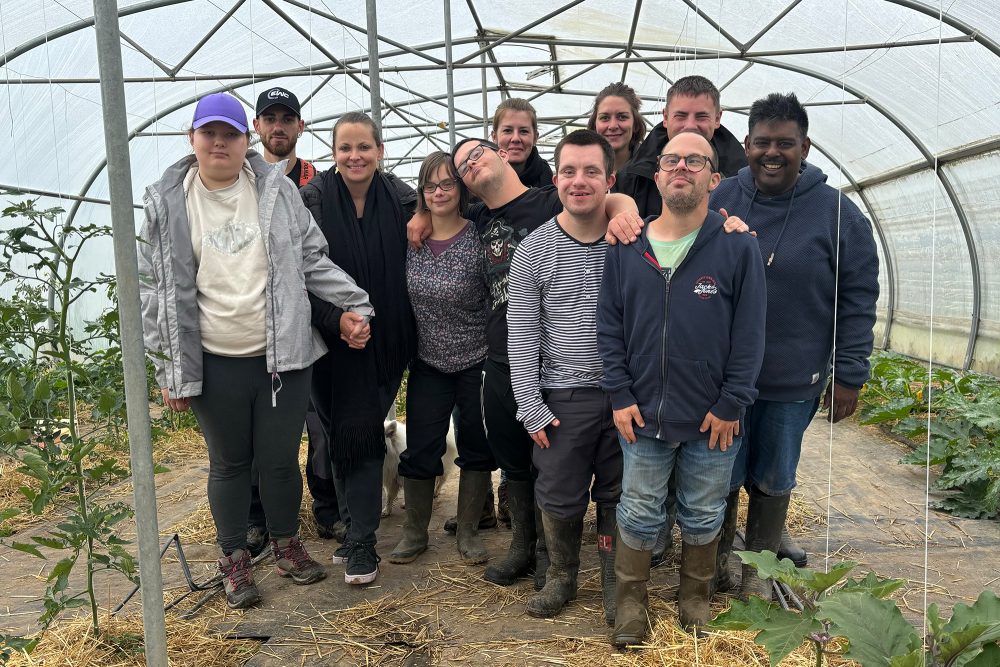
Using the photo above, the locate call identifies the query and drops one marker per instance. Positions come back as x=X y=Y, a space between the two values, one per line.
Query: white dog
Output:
x=395 y=443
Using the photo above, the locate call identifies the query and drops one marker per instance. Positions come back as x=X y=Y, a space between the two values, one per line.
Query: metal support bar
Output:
x=763 y=31
x=484 y=43
x=631 y=36
x=208 y=35
x=371 y=12
x=17 y=190
x=130 y=322
x=450 y=74
x=511 y=35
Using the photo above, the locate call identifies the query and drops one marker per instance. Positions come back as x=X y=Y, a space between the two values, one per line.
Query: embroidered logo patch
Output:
x=706 y=287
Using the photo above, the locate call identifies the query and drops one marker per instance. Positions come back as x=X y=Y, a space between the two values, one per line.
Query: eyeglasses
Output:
x=693 y=162
x=473 y=155
x=447 y=185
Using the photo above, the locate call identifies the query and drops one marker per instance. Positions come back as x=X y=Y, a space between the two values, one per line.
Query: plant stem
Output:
x=819 y=653
x=81 y=490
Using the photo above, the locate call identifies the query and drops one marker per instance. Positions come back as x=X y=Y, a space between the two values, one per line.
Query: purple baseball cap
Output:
x=220 y=106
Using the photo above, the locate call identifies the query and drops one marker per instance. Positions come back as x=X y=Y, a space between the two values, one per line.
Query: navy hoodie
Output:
x=800 y=241
x=681 y=345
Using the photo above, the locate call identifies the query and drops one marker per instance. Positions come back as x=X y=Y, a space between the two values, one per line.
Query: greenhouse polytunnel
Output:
x=903 y=103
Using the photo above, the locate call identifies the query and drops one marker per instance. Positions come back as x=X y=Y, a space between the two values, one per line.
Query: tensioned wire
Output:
x=10 y=104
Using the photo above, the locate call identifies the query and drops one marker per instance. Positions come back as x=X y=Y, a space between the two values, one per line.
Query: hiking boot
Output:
x=607 y=527
x=419 y=504
x=237 y=579
x=472 y=488
x=520 y=557
x=563 y=542
x=723 y=581
x=487 y=518
x=257 y=539
x=541 y=551
x=631 y=595
x=291 y=560
x=695 y=591
x=789 y=549
x=362 y=564
x=341 y=553
x=765 y=520
x=503 y=505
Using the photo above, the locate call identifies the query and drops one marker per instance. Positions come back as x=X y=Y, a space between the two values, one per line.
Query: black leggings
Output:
x=240 y=425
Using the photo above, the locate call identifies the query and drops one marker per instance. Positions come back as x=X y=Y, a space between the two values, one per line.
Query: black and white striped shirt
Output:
x=552 y=318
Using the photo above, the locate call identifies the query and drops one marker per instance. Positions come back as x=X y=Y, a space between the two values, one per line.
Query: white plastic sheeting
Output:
x=892 y=85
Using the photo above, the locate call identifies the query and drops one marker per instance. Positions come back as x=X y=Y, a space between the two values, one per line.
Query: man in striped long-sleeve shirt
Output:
x=555 y=278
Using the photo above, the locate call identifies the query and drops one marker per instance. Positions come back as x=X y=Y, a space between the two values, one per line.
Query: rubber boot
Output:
x=503 y=511
x=765 y=519
x=419 y=503
x=695 y=592
x=789 y=549
x=488 y=518
x=607 y=527
x=665 y=538
x=563 y=543
x=631 y=595
x=521 y=555
x=723 y=577
x=472 y=488
x=541 y=551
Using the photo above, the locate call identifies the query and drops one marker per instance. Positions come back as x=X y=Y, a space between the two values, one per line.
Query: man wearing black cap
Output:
x=279 y=124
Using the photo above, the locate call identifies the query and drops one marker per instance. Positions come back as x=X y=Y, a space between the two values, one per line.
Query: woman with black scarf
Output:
x=359 y=211
x=515 y=130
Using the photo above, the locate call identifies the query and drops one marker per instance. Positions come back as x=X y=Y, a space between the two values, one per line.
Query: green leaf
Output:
x=28 y=549
x=914 y=658
x=875 y=628
x=984 y=611
x=60 y=574
x=798 y=579
x=14 y=388
x=43 y=391
x=49 y=542
x=990 y=657
x=786 y=631
x=742 y=615
x=873 y=585
x=964 y=642
x=893 y=409
x=820 y=581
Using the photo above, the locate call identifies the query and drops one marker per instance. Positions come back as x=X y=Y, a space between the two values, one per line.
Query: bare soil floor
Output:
x=437 y=611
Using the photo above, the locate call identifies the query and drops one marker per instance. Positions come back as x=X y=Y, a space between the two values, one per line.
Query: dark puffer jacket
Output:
x=635 y=179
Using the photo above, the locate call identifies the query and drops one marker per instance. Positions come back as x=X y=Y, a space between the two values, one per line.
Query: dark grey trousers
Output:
x=583 y=460
x=240 y=425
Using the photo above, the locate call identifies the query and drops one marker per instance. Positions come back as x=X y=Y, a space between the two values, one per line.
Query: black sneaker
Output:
x=341 y=554
x=257 y=539
x=237 y=579
x=362 y=564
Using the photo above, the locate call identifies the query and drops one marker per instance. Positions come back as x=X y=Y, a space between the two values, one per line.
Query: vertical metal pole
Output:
x=486 y=101
x=450 y=73
x=373 y=80
x=133 y=356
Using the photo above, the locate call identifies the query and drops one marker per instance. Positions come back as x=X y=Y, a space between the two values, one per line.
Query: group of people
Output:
x=600 y=333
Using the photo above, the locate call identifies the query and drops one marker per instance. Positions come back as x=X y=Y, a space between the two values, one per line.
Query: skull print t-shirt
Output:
x=501 y=231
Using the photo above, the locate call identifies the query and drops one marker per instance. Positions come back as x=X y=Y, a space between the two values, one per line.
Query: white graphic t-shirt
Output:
x=232 y=265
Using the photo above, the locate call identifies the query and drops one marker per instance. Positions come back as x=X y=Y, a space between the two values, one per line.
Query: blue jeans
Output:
x=703 y=476
x=772 y=444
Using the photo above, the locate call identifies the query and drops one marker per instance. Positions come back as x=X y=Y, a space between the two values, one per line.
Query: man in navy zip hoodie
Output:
x=680 y=329
x=822 y=285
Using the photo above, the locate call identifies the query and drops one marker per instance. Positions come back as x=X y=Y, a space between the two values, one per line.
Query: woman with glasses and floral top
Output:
x=448 y=292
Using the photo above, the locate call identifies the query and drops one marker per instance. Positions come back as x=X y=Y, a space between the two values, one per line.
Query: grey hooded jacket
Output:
x=297 y=261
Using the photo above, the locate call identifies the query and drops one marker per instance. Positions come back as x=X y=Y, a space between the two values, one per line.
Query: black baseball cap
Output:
x=275 y=96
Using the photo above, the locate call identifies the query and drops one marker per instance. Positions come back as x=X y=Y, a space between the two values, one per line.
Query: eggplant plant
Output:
x=856 y=619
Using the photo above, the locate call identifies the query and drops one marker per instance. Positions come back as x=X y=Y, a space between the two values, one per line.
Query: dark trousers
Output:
x=510 y=443
x=319 y=478
x=583 y=460
x=240 y=426
x=432 y=397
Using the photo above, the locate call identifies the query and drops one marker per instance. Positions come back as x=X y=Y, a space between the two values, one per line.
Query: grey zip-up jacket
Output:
x=296 y=261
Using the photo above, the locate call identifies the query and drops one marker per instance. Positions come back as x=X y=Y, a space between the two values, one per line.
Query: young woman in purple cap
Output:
x=228 y=252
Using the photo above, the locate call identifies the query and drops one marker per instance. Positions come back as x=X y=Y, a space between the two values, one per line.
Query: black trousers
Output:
x=319 y=478
x=432 y=397
x=510 y=443
x=583 y=460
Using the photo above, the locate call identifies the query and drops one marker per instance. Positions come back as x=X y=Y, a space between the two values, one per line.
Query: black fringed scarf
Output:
x=536 y=172
x=373 y=252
